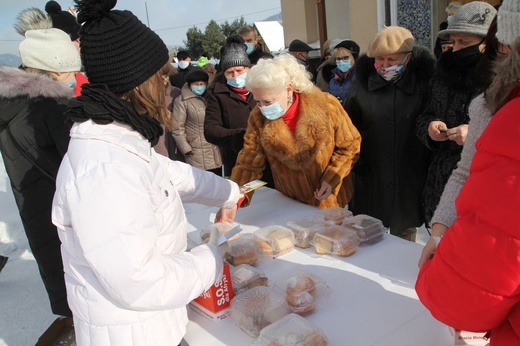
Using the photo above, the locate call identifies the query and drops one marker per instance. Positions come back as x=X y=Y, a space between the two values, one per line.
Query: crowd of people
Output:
x=104 y=140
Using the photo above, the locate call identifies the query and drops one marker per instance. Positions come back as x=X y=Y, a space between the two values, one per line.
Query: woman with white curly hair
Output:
x=303 y=133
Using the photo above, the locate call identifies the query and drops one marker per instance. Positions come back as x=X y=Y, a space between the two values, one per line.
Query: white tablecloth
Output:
x=373 y=300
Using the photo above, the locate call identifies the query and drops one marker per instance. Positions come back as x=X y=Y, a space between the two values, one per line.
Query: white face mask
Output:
x=183 y=64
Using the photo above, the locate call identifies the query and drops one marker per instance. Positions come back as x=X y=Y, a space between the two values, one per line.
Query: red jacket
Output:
x=473 y=281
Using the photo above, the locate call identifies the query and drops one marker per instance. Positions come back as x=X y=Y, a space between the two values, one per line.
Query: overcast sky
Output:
x=169 y=18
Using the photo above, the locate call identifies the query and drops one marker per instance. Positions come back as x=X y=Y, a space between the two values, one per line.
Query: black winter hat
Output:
x=183 y=54
x=63 y=20
x=197 y=76
x=299 y=46
x=351 y=46
x=233 y=53
x=116 y=48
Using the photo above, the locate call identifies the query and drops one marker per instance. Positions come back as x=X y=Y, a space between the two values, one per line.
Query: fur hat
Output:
x=391 y=40
x=233 y=53
x=197 y=76
x=32 y=19
x=63 y=20
x=299 y=46
x=474 y=18
x=508 y=21
x=116 y=48
x=352 y=46
x=45 y=48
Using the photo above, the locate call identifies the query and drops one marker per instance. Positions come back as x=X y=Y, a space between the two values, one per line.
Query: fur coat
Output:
x=324 y=147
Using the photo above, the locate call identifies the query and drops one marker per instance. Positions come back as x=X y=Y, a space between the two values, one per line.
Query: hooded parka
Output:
x=390 y=173
x=189 y=111
x=33 y=128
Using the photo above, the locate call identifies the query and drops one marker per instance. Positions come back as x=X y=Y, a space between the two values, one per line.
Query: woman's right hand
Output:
x=226 y=215
x=437 y=131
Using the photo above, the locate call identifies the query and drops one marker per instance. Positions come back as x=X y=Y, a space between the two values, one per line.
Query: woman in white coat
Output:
x=118 y=204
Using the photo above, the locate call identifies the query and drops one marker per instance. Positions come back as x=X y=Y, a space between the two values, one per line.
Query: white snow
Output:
x=24 y=305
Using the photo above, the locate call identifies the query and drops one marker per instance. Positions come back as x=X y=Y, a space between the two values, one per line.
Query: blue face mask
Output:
x=273 y=111
x=198 y=89
x=344 y=65
x=72 y=83
x=250 y=48
x=238 y=82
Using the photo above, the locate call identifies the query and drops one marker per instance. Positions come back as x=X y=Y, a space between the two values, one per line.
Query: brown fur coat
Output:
x=324 y=148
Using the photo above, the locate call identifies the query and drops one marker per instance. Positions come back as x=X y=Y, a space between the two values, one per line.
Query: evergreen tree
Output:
x=213 y=39
x=230 y=29
x=195 y=41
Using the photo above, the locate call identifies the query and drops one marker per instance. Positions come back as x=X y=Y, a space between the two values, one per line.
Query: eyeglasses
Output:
x=342 y=58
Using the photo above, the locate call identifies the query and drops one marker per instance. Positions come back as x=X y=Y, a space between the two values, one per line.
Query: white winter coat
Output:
x=119 y=211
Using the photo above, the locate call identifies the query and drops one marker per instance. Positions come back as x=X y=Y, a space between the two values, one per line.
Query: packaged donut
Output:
x=304 y=292
x=244 y=249
x=275 y=240
x=369 y=229
x=336 y=240
x=291 y=330
x=333 y=215
x=245 y=277
x=303 y=230
x=257 y=308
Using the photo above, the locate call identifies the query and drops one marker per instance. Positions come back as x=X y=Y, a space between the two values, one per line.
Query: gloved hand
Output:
x=218 y=251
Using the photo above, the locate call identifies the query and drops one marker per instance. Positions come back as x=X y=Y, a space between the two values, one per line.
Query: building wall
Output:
x=363 y=21
x=300 y=20
x=338 y=19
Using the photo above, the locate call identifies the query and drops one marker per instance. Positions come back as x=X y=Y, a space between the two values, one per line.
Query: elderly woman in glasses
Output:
x=345 y=54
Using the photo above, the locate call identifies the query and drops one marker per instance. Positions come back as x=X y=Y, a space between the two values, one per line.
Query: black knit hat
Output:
x=197 y=76
x=233 y=53
x=63 y=20
x=116 y=48
x=352 y=46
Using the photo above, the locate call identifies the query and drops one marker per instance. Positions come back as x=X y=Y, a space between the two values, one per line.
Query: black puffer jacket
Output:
x=31 y=113
x=390 y=173
x=452 y=90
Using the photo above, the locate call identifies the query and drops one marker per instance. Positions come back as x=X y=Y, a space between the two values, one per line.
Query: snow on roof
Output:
x=272 y=34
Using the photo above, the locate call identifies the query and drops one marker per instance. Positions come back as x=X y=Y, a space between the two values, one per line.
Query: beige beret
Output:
x=391 y=40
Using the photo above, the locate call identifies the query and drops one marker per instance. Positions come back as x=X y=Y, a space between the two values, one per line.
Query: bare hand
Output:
x=458 y=134
x=226 y=215
x=437 y=130
x=428 y=251
x=323 y=192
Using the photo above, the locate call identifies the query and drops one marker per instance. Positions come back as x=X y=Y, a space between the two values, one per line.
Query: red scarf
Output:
x=292 y=114
x=242 y=92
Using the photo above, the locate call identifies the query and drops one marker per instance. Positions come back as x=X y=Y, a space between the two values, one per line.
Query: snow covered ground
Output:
x=24 y=307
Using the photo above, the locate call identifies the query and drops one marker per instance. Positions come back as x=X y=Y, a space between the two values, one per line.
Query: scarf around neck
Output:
x=103 y=107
